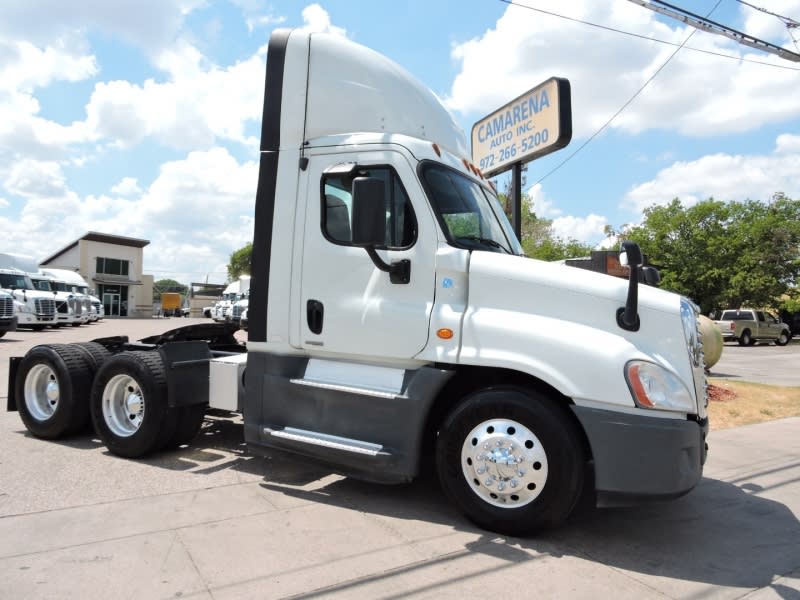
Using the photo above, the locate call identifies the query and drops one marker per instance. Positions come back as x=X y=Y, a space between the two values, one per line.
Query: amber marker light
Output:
x=437 y=150
x=444 y=333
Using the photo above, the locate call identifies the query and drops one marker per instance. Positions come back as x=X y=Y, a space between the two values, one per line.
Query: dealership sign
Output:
x=534 y=124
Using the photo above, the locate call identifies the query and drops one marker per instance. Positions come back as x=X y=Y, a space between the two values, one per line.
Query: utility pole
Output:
x=709 y=26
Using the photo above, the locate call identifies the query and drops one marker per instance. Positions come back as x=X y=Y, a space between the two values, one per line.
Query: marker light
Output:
x=444 y=333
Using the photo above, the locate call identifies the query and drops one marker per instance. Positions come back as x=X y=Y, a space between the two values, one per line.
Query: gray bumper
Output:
x=640 y=457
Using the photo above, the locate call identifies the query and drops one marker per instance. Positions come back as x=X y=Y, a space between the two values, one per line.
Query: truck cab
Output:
x=34 y=309
x=68 y=306
x=8 y=320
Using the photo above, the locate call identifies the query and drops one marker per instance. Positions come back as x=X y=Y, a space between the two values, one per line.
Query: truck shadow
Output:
x=720 y=534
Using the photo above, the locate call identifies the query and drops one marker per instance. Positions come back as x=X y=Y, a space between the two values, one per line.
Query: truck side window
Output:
x=401 y=225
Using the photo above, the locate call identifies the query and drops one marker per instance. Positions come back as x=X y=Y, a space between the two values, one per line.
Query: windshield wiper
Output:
x=487 y=241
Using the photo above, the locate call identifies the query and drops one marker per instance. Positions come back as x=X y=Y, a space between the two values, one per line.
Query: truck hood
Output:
x=559 y=324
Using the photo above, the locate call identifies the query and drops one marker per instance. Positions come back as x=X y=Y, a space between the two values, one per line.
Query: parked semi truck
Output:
x=34 y=309
x=90 y=307
x=397 y=328
x=68 y=306
x=8 y=320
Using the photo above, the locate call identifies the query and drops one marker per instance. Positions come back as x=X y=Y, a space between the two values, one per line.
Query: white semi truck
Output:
x=68 y=306
x=396 y=325
x=8 y=318
x=91 y=309
x=34 y=309
x=230 y=295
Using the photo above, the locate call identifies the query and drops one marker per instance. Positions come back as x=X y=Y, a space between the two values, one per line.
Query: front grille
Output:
x=236 y=313
x=6 y=308
x=45 y=306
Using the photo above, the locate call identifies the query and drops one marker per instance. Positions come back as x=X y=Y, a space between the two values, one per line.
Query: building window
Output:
x=112 y=266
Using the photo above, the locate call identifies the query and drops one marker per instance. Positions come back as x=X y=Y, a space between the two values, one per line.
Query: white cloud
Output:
x=589 y=228
x=195 y=213
x=190 y=112
x=540 y=204
x=724 y=177
x=127 y=187
x=696 y=94
x=151 y=25
x=316 y=18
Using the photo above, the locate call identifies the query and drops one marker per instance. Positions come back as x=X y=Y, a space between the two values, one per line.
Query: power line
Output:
x=649 y=38
x=624 y=106
x=787 y=21
x=709 y=26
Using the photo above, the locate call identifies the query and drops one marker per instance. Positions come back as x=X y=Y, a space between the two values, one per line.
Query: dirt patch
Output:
x=738 y=403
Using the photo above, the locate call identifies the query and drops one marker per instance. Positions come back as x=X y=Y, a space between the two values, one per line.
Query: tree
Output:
x=241 y=262
x=538 y=239
x=168 y=285
x=724 y=254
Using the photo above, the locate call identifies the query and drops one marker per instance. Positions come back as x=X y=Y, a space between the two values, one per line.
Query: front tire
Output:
x=52 y=389
x=129 y=404
x=783 y=339
x=511 y=459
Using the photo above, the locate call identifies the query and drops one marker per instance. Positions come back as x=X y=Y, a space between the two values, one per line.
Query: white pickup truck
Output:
x=747 y=326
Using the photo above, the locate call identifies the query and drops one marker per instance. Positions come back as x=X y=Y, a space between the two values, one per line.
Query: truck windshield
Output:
x=469 y=214
x=15 y=281
x=42 y=285
x=60 y=286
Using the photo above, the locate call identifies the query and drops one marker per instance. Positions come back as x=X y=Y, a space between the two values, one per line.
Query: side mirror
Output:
x=369 y=212
x=630 y=254
x=369 y=226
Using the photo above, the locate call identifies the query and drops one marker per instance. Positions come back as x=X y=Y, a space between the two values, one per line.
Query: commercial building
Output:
x=112 y=265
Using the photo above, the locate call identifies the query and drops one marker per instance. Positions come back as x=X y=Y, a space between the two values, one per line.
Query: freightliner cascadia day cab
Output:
x=395 y=327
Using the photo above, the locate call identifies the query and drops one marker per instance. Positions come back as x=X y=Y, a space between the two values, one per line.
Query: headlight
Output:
x=654 y=387
x=23 y=308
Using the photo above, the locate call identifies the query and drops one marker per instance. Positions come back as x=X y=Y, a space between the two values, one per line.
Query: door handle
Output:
x=315 y=312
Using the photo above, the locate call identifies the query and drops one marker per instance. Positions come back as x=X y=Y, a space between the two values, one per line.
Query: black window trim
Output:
x=427 y=164
x=358 y=167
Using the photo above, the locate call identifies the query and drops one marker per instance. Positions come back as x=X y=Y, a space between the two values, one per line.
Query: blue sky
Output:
x=141 y=119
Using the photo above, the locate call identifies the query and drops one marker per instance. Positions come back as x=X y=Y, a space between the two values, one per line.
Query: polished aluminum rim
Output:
x=41 y=392
x=123 y=405
x=504 y=463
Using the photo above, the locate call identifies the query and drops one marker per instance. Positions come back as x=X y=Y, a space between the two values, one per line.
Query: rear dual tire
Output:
x=130 y=411
x=52 y=390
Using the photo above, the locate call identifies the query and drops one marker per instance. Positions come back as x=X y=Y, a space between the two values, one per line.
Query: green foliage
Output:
x=724 y=254
x=538 y=239
x=168 y=285
x=241 y=262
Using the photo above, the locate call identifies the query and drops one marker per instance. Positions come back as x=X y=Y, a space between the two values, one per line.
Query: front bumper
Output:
x=640 y=457
x=8 y=324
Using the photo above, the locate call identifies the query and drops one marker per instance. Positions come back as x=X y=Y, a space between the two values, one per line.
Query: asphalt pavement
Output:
x=211 y=521
x=761 y=363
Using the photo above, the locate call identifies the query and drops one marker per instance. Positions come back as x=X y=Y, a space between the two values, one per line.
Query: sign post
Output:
x=534 y=124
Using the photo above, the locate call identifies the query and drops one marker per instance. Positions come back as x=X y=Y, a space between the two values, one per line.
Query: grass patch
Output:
x=735 y=403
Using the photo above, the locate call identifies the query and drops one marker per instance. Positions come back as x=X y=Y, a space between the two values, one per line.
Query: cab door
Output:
x=348 y=307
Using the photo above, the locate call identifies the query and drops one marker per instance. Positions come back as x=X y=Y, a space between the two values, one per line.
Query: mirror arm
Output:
x=399 y=271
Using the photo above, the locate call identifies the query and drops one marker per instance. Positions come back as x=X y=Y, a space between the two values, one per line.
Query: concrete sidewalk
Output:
x=211 y=521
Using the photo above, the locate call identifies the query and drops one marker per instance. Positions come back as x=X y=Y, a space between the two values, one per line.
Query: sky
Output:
x=142 y=118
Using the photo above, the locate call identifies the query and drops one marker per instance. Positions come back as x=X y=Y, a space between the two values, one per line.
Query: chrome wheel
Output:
x=123 y=405
x=504 y=463
x=41 y=392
